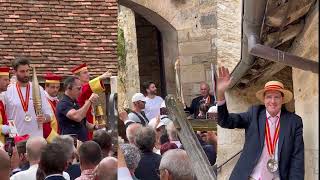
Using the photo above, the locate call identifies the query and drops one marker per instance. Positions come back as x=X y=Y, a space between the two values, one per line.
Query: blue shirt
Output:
x=68 y=126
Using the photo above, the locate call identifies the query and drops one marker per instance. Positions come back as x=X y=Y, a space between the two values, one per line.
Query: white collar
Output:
x=50 y=97
x=54 y=175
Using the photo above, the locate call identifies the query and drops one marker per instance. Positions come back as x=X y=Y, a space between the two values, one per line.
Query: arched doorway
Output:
x=167 y=44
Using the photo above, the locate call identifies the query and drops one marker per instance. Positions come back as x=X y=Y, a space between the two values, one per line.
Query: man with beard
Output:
x=153 y=102
x=88 y=87
x=52 y=86
x=19 y=102
x=4 y=82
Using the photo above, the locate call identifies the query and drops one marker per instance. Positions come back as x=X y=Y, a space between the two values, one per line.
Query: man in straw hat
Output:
x=274 y=147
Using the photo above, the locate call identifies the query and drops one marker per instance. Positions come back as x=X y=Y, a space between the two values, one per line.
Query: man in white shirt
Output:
x=34 y=148
x=153 y=102
x=19 y=102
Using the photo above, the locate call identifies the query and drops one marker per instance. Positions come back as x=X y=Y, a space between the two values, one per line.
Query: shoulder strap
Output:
x=144 y=115
x=143 y=121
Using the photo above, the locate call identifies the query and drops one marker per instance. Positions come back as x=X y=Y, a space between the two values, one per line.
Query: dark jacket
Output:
x=290 y=143
x=148 y=166
x=195 y=104
x=74 y=171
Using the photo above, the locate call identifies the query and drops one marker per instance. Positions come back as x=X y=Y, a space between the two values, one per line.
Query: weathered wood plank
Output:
x=291 y=32
x=200 y=162
x=284 y=58
x=276 y=13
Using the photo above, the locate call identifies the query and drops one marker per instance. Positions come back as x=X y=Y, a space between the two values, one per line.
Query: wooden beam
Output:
x=273 y=40
x=274 y=69
x=298 y=9
x=284 y=58
x=200 y=163
x=203 y=124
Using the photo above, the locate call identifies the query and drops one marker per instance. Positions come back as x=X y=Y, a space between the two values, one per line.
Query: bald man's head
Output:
x=4 y=165
x=34 y=148
x=131 y=131
x=107 y=169
x=204 y=89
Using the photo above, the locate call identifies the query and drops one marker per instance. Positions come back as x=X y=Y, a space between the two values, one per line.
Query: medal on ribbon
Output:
x=24 y=103
x=272 y=164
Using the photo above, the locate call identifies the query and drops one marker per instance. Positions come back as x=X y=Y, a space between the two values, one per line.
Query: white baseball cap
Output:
x=138 y=97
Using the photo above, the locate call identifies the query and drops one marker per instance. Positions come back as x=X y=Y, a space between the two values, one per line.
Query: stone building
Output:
x=58 y=34
x=155 y=34
x=217 y=31
x=297 y=35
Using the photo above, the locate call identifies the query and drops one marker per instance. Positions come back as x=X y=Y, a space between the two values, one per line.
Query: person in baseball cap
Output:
x=136 y=114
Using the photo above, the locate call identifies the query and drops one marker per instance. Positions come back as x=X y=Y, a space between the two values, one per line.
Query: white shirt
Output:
x=30 y=174
x=152 y=108
x=15 y=110
x=124 y=174
x=260 y=171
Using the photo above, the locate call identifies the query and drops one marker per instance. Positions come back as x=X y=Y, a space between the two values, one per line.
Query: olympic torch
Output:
x=178 y=81
x=36 y=95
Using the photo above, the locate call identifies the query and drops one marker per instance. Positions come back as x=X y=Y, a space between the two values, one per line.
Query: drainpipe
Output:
x=252 y=18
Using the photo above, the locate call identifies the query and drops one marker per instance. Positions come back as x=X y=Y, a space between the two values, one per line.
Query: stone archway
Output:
x=169 y=37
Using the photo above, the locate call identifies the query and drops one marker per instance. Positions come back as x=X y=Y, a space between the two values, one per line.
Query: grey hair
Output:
x=172 y=132
x=33 y=150
x=178 y=164
x=67 y=142
x=131 y=131
x=131 y=155
x=145 y=138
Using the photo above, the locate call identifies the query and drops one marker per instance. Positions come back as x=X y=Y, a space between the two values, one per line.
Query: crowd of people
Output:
x=65 y=141
x=152 y=149
x=62 y=140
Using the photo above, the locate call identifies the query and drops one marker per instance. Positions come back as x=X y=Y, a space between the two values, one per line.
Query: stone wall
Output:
x=228 y=44
x=128 y=84
x=188 y=30
x=306 y=92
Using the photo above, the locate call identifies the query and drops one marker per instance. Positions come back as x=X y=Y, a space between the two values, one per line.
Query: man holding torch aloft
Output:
x=88 y=87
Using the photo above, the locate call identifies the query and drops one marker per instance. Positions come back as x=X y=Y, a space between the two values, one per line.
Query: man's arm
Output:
x=225 y=119
x=232 y=120
x=78 y=115
x=296 y=171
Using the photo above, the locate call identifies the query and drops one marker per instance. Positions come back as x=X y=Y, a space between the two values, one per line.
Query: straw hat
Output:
x=275 y=86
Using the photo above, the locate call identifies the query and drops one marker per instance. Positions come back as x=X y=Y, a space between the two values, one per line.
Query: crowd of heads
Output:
x=58 y=156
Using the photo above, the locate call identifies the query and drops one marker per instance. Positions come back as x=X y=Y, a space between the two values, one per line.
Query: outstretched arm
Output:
x=226 y=119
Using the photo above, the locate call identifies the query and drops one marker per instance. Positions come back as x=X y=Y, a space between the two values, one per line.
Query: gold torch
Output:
x=99 y=115
x=36 y=95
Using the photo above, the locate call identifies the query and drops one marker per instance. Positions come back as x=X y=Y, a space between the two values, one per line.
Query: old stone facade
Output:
x=305 y=102
x=58 y=34
x=187 y=30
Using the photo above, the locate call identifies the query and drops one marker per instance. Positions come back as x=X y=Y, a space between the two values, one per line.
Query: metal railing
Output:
x=218 y=168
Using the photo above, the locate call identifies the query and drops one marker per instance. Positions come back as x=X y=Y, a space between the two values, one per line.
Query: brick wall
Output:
x=56 y=35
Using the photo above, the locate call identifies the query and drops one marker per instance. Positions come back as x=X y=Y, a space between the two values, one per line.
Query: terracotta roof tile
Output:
x=56 y=35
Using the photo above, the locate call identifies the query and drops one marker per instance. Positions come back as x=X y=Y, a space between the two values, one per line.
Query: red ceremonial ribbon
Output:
x=271 y=145
x=25 y=103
